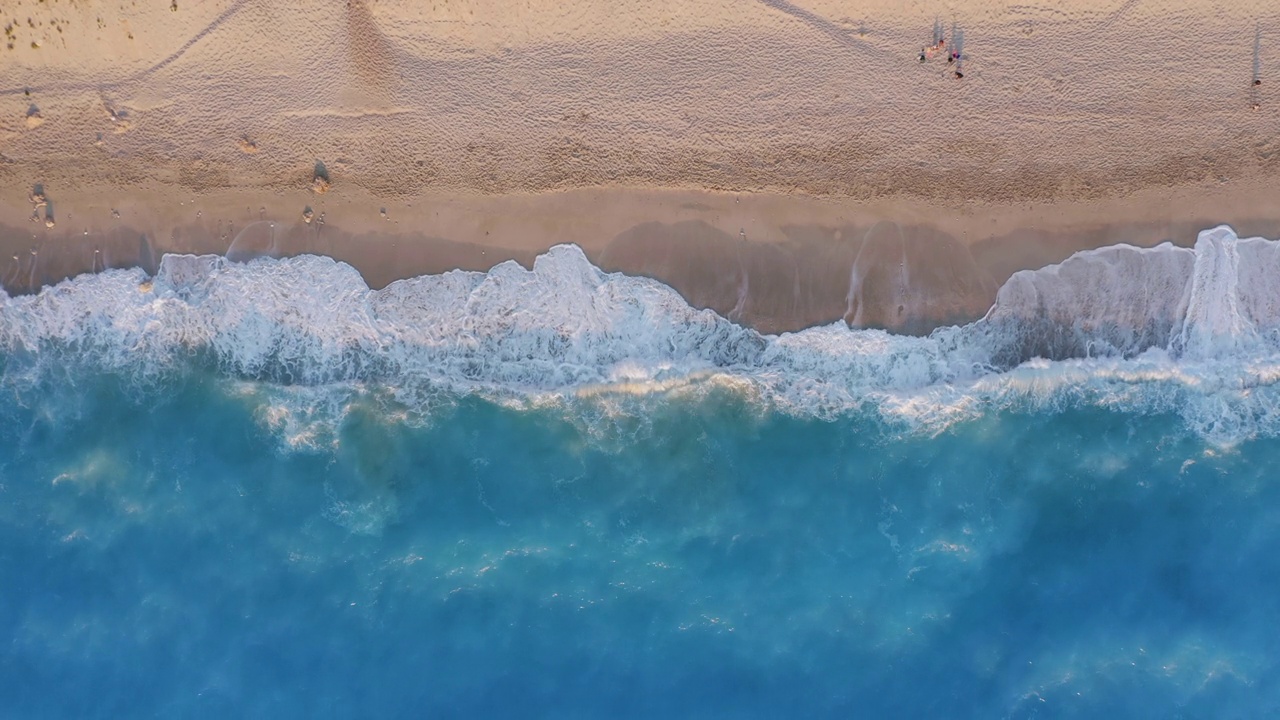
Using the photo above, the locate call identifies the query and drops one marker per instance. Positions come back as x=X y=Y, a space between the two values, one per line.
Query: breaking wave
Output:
x=1192 y=332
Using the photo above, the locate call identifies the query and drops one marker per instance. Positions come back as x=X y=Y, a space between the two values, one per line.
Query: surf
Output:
x=1192 y=331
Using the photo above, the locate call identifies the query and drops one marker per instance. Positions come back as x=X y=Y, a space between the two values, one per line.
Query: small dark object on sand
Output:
x=959 y=75
x=1257 y=81
x=922 y=56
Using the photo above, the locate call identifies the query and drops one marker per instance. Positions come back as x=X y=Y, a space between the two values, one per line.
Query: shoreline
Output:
x=773 y=262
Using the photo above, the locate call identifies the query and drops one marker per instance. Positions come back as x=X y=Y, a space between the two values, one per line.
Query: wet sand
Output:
x=784 y=163
x=774 y=262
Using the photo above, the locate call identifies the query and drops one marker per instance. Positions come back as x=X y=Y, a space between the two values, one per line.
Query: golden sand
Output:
x=762 y=156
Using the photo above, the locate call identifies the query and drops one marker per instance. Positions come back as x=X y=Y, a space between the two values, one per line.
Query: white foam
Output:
x=1212 y=323
x=1166 y=329
x=1113 y=300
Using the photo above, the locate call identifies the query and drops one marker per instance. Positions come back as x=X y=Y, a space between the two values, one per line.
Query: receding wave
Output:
x=1194 y=332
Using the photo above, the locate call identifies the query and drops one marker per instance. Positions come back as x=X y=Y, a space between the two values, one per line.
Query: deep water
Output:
x=204 y=546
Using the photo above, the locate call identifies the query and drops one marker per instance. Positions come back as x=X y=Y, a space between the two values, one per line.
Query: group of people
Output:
x=938 y=47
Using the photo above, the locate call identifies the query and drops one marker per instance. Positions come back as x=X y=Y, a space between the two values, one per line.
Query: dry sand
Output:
x=786 y=163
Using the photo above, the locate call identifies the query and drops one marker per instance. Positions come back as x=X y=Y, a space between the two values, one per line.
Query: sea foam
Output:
x=1194 y=332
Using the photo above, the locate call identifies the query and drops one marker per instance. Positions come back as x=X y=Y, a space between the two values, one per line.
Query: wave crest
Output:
x=1164 y=329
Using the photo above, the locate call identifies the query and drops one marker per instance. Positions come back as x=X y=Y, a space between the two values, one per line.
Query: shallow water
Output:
x=170 y=554
x=829 y=524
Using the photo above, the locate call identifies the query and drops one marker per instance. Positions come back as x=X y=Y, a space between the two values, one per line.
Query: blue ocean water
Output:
x=215 y=504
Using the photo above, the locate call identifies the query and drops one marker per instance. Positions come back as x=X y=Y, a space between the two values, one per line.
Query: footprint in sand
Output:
x=40 y=201
x=119 y=118
x=320 y=181
x=34 y=118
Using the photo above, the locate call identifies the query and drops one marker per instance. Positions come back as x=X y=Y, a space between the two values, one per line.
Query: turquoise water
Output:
x=561 y=493
x=164 y=554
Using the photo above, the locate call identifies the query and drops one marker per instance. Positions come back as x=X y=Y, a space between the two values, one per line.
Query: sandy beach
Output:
x=784 y=163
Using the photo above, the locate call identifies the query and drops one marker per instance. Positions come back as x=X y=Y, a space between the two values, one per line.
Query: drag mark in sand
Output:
x=345 y=113
x=1256 y=77
x=31 y=279
x=217 y=22
x=143 y=74
x=12 y=274
x=821 y=24
x=1118 y=13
